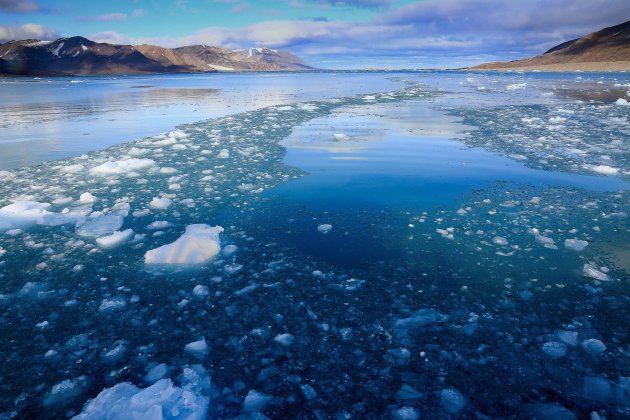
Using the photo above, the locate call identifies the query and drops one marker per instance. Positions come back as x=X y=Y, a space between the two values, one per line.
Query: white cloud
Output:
x=27 y=31
x=112 y=37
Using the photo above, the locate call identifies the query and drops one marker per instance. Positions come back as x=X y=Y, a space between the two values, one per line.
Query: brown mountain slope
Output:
x=80 y=56
x=604 y=50
x=254 y=59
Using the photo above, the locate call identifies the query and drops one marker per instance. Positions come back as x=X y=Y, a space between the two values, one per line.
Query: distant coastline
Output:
x=607 y=50
x=519 y=66
x=78 y=56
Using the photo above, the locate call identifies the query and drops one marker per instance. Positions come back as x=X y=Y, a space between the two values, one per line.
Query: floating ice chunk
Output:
x=406 y=413
x=232 y=268
x=135 y=151
x=623 y=391
x=229 y=250
x=87 y=198
x=72 y=169
x=121 y=209
x=198 y=349
x=165 y=142
x=158 y=224
x=418 y=319
x=65 y=217
x=115 y=352
x=340 y=136
x=308 y=391
x=622 y=102
x=160 y=203
x=199 y=244
x=593 y=346
x=168 y=170
x=446 y=233
x=256 y=401
x=224 y=154
x=114 y=303
x=592 y=272
x=516 y=156
x=65 y=391
x=576 y=245
x=161 y=400
x=246 y=187
x=570 y=338
x=546 y=241
x=2 y=251
x=201 y=290
x=178 y=134
x=325 y=228
x=156 y=373
x=598 y=389
x=22 y=214
x=62 y=201
x=516 y=86
x=499 y=240
x=122 y=166
x=407 y=392
x=602 y=169
x=284 y=339
x=452 y=401
x=5 y=175
x=554 y=349
x=115 y=239
x=99 y=225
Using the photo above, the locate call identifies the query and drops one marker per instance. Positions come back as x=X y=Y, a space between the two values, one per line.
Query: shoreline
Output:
x=575 y=67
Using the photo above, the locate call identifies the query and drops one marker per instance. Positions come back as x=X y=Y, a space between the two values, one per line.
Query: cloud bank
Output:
x=438 y=31
x=19 y=6
x=26 y=31
x=429 y=33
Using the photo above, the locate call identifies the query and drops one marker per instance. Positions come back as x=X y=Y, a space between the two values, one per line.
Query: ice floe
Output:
x=162 y=400
x=200 y=243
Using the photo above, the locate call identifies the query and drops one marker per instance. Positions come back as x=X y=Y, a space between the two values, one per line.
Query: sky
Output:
x=332 y=34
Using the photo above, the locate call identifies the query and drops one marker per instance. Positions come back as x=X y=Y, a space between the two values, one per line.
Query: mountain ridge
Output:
x=79 y=56
x=605 y=50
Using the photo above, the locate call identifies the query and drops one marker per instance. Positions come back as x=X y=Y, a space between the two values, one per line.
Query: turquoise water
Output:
x=432 y=244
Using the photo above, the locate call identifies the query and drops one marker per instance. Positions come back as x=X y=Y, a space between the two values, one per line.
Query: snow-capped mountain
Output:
x=80 y=56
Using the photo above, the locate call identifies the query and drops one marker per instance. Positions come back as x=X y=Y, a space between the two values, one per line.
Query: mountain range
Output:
x=80 y=56
x=604 y=50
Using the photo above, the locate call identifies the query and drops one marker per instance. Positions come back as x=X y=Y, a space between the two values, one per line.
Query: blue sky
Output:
x=326 y=33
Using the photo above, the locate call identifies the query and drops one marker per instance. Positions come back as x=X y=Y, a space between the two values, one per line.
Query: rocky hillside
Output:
x=604 y=50
x=80 y=56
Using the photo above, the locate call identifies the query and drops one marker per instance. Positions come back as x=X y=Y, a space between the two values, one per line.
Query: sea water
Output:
x=349 y=245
